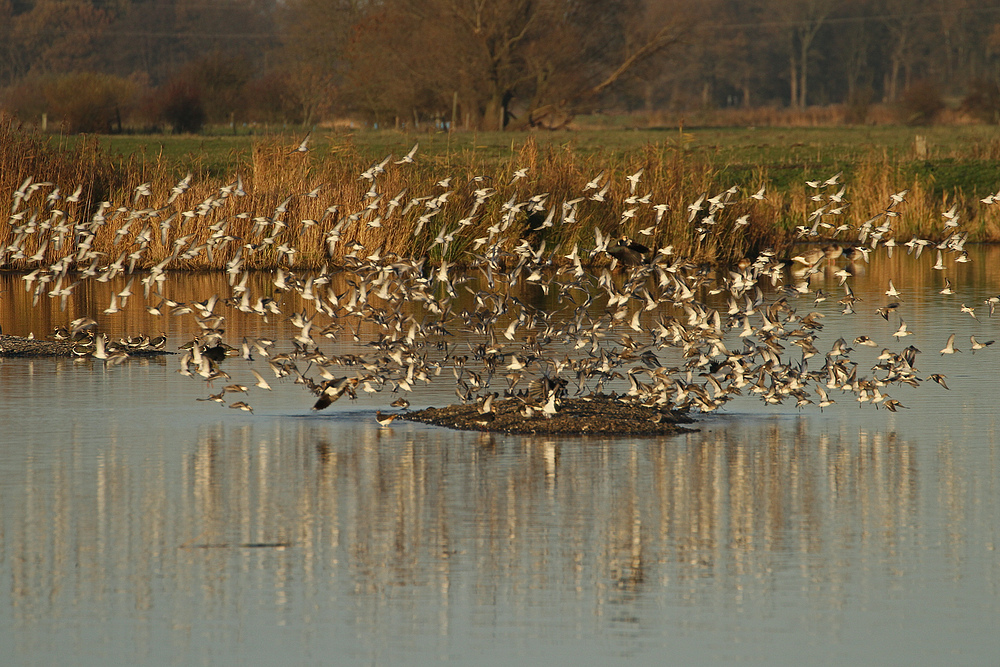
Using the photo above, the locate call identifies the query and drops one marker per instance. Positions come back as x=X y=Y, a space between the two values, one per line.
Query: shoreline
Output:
x=601 y=415
x=19 y=346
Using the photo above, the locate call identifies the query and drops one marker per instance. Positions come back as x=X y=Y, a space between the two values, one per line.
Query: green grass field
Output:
x=957 y=157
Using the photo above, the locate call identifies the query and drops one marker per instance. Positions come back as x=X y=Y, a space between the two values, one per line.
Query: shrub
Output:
x=269 y=98
x=179 y=103
x=81 y=101
x=859 y=104
x=983 y=101
x=220 y=81
x=920 y=104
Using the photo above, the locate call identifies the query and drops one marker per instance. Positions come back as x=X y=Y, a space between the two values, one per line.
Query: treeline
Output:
x=105 y=65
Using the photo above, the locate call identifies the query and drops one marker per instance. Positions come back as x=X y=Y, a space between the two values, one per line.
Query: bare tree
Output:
x=650 y=43
x=901 y=22
x=532 y=62
x=491 y=64
x=314 y=39
x=801 y=22
x=55 y=37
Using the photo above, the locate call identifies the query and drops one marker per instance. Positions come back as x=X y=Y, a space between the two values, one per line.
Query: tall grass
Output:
x=271 y=175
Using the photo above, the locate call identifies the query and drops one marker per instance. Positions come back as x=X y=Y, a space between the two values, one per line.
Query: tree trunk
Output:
x=893 y=89
x=497 y=113
x=804 y=70
x=794 y=80
x=492 y=114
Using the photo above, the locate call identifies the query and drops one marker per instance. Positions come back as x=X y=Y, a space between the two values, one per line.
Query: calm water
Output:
x=138 y=525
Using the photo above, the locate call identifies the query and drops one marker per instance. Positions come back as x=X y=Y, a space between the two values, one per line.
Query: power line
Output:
x=866 y=18
x=747 y=25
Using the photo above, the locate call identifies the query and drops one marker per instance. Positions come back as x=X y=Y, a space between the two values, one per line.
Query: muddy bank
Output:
x=576 y=416
x=16 y=346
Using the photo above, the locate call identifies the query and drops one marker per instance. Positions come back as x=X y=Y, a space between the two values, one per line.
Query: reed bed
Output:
x=287 y=199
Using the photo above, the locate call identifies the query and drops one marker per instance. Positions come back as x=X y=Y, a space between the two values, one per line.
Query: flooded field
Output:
x=139 y=525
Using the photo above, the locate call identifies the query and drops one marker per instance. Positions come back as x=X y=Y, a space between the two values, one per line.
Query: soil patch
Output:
x=576 y=416
x=17 y=346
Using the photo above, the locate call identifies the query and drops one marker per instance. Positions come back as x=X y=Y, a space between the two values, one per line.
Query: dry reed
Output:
x=278 y=185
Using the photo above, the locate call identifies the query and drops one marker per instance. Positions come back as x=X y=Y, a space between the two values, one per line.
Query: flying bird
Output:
x=408 y=158
x=303 y=147
x=949 y=347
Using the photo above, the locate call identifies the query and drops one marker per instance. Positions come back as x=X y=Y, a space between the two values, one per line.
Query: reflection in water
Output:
x=402 y=520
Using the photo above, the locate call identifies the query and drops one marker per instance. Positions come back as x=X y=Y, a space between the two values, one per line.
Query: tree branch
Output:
x=663 y=38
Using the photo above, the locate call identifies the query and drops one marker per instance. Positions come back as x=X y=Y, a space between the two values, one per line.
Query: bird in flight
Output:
x=408 y=158
x=949 y=347
x=303 y=147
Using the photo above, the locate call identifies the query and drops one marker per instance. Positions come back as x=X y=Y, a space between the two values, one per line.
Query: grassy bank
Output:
x=679 y=167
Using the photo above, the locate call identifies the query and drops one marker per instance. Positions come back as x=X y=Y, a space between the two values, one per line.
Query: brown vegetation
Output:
x=278 y=185
x=489 y=64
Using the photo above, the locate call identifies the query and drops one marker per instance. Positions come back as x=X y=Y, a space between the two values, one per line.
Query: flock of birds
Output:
x=629 y=323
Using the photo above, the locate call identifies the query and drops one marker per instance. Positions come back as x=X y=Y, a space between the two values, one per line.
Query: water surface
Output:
x=138 y=525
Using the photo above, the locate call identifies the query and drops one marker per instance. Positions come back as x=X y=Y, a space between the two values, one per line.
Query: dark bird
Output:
x=535 y=221
x=885 y=310
x=937 y=377
x=218 y=352
x=628 y=251
x=240 y=405
x=332 y=390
